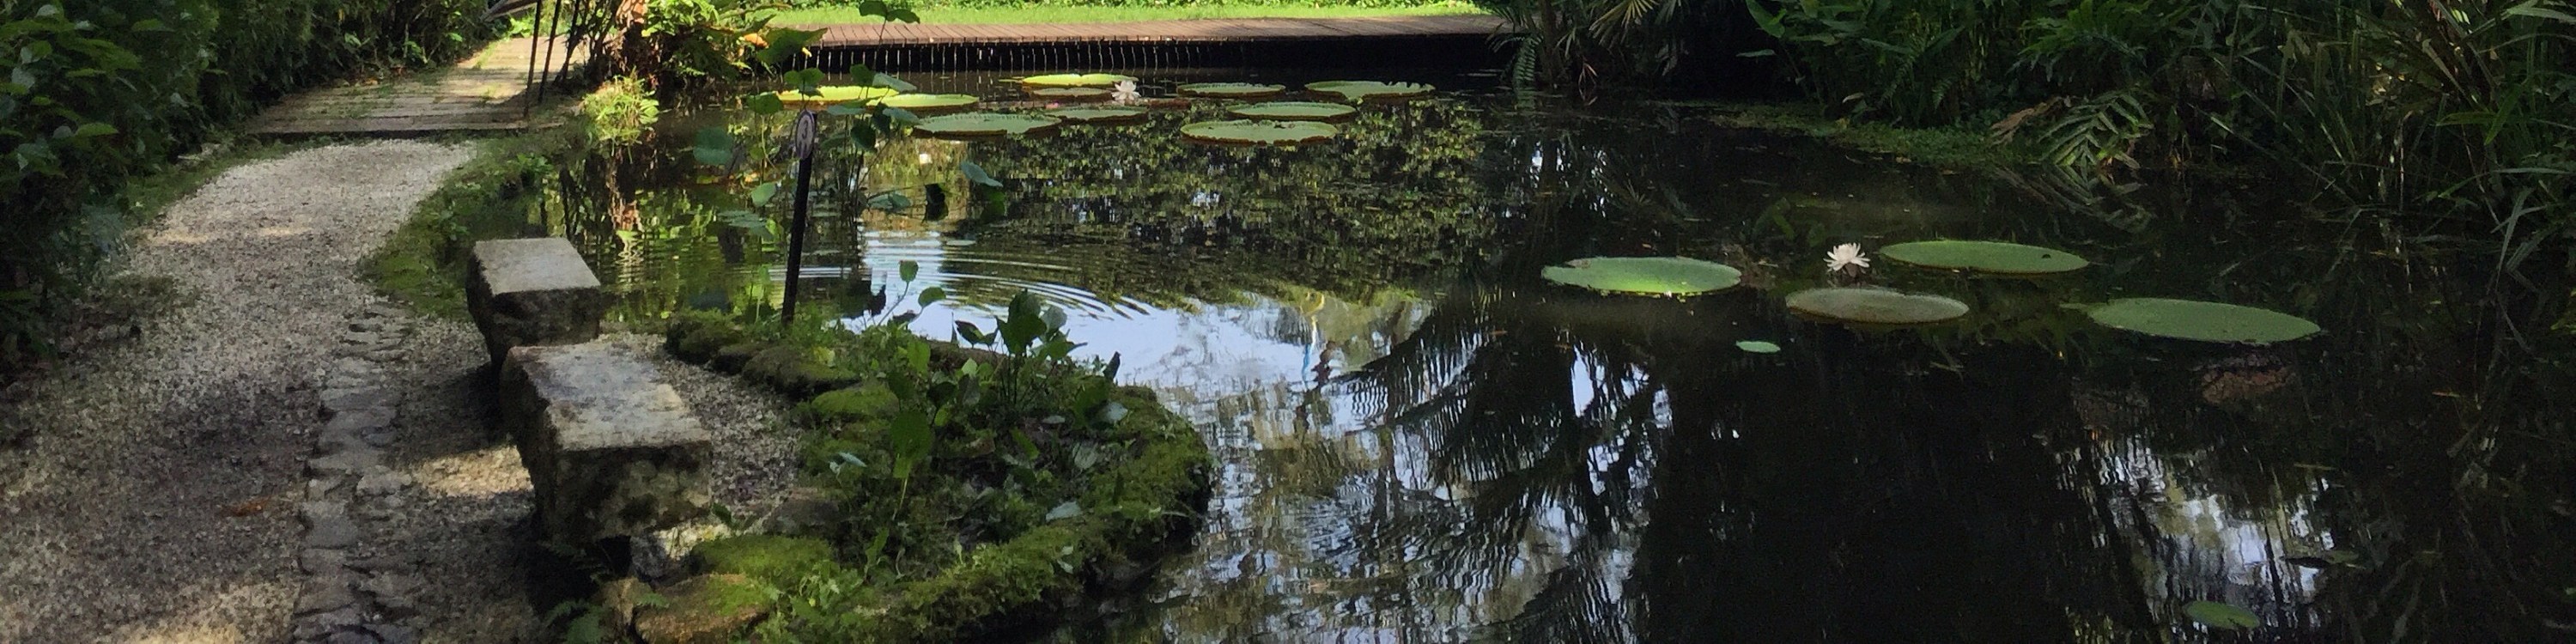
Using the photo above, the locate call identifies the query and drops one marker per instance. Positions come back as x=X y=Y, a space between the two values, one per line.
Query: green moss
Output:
x=797 y=371
x=779 y=560
x=697 y=336
x=423 y=264
x=733 y=357
x=867 y=402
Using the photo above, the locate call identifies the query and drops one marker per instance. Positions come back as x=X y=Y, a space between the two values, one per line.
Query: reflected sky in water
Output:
x=1419 y=441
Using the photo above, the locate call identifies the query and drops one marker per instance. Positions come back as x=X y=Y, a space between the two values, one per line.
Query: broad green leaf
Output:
x=2000 y=258
x=976 y=174
x=2201 y=321
x=2221 y=616
x=1646 y=275
x=714 y=146
x=908 y=439
x=761 y=194
x=882 y=79
x=1875 y=306
x=907 y=269
x=1757 y=346
x=931 y=296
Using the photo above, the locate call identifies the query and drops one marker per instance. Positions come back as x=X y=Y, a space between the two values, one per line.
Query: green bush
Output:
x=97 y=92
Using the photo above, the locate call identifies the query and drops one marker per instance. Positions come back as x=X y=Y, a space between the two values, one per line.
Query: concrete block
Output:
x=610 y=449
x=533 y=292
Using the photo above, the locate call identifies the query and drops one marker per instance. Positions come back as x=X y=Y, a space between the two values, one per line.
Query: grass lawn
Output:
x=1046 y=14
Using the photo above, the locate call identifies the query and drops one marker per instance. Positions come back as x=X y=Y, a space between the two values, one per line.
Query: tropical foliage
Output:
x=99 y=91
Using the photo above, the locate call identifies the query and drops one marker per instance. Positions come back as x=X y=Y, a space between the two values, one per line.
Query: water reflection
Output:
x=1420 y=442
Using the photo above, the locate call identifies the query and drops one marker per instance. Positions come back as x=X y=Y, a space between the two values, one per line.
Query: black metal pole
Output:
x=796 y=236
x=547 y=33
x=535 y=20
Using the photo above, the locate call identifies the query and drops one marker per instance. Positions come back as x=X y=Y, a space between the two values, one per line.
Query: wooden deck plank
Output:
x=1195 y=31
x=483 y=92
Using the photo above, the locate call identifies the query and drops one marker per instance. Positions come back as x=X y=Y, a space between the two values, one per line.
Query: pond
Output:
x=1420 y=440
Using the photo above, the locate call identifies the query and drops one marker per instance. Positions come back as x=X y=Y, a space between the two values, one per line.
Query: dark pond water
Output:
x=1421 y=441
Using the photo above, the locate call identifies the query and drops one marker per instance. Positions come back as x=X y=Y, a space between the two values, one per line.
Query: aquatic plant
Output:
x=929 y=103
x=2200 y=321
x=1260 y=132
x=1874 y=306
x=1646 y=275
x=979 y=124
x=1076 y=80
x=1293 y=111
x=620 y=111
x=1845 y=257
x=830 y=95
x=1099 y=115
x=1357 y=91
x=2000 y=258
x=1232 y=90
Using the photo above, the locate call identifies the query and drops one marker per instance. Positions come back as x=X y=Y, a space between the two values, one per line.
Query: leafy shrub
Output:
x=82 y=110
x=620 y=111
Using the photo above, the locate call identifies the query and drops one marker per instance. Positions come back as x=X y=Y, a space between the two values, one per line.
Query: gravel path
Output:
x=155 y=501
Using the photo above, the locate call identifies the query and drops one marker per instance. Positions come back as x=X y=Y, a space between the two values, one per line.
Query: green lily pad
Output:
x=1356 y=91
x=1099 y=115
x=1878 y=306
x=1293 y=111
x=2000 y=258
x=984 y=124
x=1232 y=90
x=1757 y=346
x=1076 y=80
x=923 y=103
x=2221 y=616
x=2201 y=321
x=1646 y=275
x=1260 y=132
x=1070 y=93
x=834 y=95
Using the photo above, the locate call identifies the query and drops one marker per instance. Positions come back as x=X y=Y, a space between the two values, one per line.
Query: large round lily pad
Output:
x=984 y=124
x=1293 y=111
x=833 y=95
x=1070 y=93
x=1076 y=80
x=1098 y=115
x=1646 y=275
x=925 y=103
x=1876 y=306
x=1232 y=90
x=1366 y=90
x=1260 y=132
x=2000 y=258
x=2201 y=321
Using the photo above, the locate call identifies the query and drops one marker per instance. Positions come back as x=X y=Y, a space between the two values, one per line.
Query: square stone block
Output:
x=533 y=292
x=611 y=450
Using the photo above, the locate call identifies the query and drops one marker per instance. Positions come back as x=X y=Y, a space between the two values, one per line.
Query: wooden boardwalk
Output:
x=486 y=92
x=1244 y=30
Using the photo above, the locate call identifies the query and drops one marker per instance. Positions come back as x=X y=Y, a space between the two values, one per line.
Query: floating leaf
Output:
x=1070 y=93
x=976 y=173
x=1646 y=275
x=984 y=124
x=1293 y=111
x=1098 y=115
x=1865 y=305
x=2201 y=321
x=834 y=95
x=1356 y=91
x=928 y=103
x=1757 y=346
x=2000 y=258
x=1232 y=90
x=1260 y=132
x=1075 y=80
x=2221 y=616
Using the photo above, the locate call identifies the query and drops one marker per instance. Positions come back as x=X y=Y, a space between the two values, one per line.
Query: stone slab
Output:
x=533 y=292
x=610 y=449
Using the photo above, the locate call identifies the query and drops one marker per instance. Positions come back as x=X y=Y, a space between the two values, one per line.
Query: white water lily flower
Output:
x=1846 y=256
x=1124 y=92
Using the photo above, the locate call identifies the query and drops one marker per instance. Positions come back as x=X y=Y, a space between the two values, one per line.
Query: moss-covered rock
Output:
x=732 y=357
x=797 y=371
x=707 y=609
x=696 y=336
x=868 y=402
x=778 y=560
